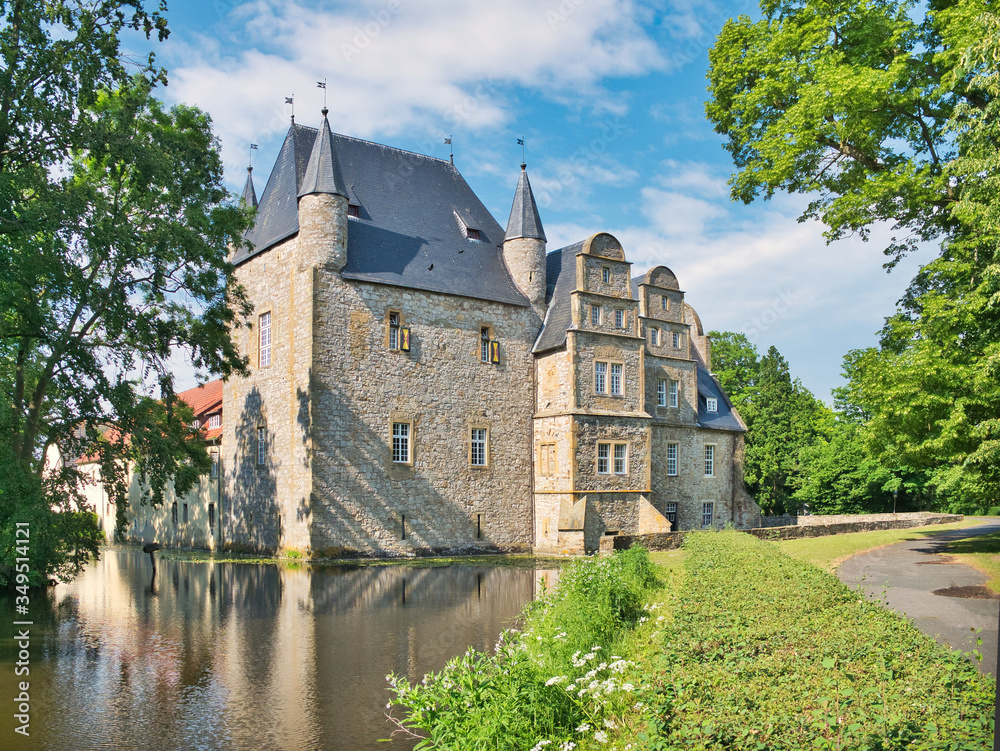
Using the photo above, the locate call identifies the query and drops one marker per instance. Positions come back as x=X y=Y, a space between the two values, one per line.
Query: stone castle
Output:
x=424 y=380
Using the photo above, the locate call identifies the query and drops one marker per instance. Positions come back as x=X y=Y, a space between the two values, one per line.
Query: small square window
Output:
x=710 y=460
x=595 y=315
x=401 y=443
x=712 y=404
x=264 y=334
x=674 y=398
x=353 y=211
x=620 y=319
x=606 y=275
x=672 y=459
x=472 y=234
x=661 y=393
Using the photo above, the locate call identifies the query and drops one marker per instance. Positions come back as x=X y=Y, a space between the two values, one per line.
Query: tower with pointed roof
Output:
x=524 y=244
x=322 y=204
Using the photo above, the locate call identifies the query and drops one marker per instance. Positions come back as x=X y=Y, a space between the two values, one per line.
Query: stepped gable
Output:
x=560 y=273
x=524 y=220
x=414 y=216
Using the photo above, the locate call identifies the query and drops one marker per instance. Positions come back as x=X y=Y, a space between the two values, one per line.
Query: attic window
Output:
x=472 y=234
x=711 y=404
x=353 y=210
x=215 y=421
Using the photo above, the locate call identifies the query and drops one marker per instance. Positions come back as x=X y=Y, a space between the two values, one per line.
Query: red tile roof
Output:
x=204 y=399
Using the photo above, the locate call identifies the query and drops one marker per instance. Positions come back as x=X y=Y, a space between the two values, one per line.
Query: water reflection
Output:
x=241 y=656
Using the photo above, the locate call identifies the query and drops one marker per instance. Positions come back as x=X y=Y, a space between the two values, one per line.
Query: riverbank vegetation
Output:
x=745 y=647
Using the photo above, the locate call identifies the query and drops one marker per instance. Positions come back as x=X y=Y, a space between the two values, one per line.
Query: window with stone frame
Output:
x=670 y=511
x=600 y=377
x=264 y=339
x=173 y=513
x=612 y=458
x=672 y=451
x=547 y=460
x=402 y=450
x=215 y=464
x=606 y=275
x=478 y=447
x=664 y=302
x=677 y=340
x=654 y=336
x=661 y=392
x=394 y=321
x=709 y=460
x=615 y=386
x=707 y=513
x=595 y=315
x=674 y=393
x=619 y=319
x=485 y=334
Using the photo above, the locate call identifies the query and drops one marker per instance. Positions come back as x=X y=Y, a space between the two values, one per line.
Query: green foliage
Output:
x=781 y=415
x=766 y=652
x=836 y=475
x=563 y=679
x=115 y=230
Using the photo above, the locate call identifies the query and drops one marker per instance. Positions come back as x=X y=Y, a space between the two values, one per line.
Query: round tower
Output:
x=323 y=205
x=524 y=245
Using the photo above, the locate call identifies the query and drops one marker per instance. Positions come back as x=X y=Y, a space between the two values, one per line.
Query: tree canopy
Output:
x=115 y=229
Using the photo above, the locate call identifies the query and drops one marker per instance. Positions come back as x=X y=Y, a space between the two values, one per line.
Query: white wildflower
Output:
x=540 y=745
x=567 y=746
x=555 y=679
x=609 y=723
x=601 y=737
x=583 y=728
x=628 y=687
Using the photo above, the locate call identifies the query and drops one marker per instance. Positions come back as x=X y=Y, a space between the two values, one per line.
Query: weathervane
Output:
x=451 y=149
x=291 y=100
x=322 y=85
x=520 y=142
x=253 y=148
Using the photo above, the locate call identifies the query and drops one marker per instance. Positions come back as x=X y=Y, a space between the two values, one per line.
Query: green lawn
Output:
x=983 y=553
x=829 y=552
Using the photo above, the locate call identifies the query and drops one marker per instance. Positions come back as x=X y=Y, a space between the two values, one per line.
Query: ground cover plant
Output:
x=565 y=681
x=767 y=652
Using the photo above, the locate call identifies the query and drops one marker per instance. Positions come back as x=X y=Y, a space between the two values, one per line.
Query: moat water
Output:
x=242 y=656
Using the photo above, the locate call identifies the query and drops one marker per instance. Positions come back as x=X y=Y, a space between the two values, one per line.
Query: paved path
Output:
x=906 y=575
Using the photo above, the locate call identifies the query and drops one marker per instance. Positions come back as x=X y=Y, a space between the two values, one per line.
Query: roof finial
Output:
x=291 y=100
x=322 y=85
x=451 y=149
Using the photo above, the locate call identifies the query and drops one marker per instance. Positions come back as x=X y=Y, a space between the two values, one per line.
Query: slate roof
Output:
x=323 y=171
x=413 y=213
x=560 y=282
x=524 y=220
x=249 y=196
x=726 y=418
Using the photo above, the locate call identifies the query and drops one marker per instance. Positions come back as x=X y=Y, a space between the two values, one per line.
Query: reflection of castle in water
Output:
x=255 y=656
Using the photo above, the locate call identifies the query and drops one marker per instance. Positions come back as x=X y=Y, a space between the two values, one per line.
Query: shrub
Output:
x=562 y=680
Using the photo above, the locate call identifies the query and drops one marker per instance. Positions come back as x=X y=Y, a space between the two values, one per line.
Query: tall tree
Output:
x=115 y=228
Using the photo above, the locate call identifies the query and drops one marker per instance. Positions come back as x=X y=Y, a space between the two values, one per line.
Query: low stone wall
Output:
x=785 y=520
x=868 y=525
x=862 y=523
x=814 y=520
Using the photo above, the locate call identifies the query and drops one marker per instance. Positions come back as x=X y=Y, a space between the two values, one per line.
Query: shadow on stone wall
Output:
x=252 y=521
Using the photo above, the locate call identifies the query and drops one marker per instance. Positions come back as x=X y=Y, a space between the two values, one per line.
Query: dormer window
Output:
x=196 y=424
x=472 y=234
x=711 y=404
x=353 y=211
x=214 y=421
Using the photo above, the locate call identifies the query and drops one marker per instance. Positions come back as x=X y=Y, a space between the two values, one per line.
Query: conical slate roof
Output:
x=323 y=171
x=249 y=197
x=524 y=220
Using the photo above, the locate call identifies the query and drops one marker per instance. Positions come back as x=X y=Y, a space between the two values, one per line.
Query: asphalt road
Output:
x=944 y=600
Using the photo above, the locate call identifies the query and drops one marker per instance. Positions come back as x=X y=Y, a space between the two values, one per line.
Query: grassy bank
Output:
x=767 y=652
x=829 y=552
x=981 y=552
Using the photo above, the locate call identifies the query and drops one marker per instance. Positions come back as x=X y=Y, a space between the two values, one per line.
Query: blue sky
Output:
x=609 y=97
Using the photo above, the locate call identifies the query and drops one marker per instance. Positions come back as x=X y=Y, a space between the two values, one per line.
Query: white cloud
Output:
x=392 y=67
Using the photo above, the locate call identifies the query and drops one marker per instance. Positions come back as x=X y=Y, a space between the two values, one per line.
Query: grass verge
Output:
x=981 y=552
x=829 y=552
x=767 y=652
